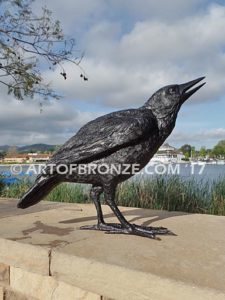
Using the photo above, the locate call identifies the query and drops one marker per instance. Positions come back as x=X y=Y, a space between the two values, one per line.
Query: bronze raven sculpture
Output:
x=124 y=137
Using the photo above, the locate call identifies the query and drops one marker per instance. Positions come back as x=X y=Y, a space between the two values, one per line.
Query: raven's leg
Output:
x=109 y=194
x=101 y=225
x=126 y=227
x=95 y=196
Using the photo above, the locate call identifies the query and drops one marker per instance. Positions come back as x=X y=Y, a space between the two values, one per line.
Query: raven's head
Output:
x=167 y=101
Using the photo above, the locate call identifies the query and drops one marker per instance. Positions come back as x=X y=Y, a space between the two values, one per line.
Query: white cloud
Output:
x=160 y=9
x=22 y=123
x=73 y=14
x=201 y=138
x=127 y=70
x=133 y=47
x=188 y=38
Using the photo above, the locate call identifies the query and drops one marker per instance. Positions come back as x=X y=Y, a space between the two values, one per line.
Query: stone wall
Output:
x=19 y=284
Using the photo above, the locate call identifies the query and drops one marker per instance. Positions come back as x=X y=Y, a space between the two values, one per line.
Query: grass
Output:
x=174 y=194
x=164 y=193
x=65 y=192
x=1 y=184
x=15 y=190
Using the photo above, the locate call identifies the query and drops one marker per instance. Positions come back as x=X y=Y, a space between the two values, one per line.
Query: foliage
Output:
x=2 y=154
x=71 y=193
x=65 y=192
x=219 y=149
x=161 y=192
x=15 y=190
x=2 y=185
x=186 y=150
x=27 y=42
x=174 y=194
x=12 y=151
x=193 y=151
x=202 y=152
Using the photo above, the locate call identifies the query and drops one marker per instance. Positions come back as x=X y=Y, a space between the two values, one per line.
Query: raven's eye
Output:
x=171 y=91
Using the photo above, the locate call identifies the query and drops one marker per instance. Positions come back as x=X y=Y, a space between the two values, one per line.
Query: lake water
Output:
x=187 y=171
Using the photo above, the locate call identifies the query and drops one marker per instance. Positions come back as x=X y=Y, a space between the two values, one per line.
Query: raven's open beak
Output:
x=185 y=88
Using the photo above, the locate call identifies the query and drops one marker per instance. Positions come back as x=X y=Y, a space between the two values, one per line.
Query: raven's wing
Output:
x=105 y=135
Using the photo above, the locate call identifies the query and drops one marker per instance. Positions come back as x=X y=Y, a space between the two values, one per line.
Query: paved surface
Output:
x=8 y=207
x=191 y=263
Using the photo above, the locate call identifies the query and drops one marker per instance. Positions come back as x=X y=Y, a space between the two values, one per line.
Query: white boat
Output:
x=212 y=162
x=201 y=163
x=220 y=162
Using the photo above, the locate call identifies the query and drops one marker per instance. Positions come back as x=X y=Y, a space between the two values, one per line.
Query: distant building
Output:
x=17 y=158
x=37 y=158
x=27 y=158
x=168 y=154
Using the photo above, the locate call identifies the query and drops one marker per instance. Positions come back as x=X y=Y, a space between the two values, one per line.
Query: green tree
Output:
x=209 y=152
x=186 y=150
x=26 y=42
x=2 y=154
x=193 y=151
x=12 y=151
x=202 y=151
x=219 y=149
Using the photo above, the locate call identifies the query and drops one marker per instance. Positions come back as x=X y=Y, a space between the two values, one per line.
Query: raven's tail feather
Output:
x=38 y=191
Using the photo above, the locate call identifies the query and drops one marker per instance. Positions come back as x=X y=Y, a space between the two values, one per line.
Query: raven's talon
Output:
x=151 y=230
x=89 y=227
x=117 y=232
x=103 y=227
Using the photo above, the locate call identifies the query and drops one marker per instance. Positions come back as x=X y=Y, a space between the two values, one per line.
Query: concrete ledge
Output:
x=22 y=255
x=1 y=293
x=124 y=283
x=50 y=258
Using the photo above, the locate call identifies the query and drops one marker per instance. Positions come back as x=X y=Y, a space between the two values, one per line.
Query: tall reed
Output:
x=161 y=192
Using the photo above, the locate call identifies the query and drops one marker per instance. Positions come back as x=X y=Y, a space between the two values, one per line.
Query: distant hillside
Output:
x=30 y=148
x=4 y=148
x=37 y=148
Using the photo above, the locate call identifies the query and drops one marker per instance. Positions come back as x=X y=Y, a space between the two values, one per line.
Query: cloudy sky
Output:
x=132 y=48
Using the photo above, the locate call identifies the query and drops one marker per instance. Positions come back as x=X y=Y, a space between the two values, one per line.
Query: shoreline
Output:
x=23 y=165
x=152 y=163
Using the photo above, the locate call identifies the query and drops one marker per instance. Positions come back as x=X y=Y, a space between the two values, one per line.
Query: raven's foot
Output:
x=103 y=227
x=133 y=229
x=144 y=231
